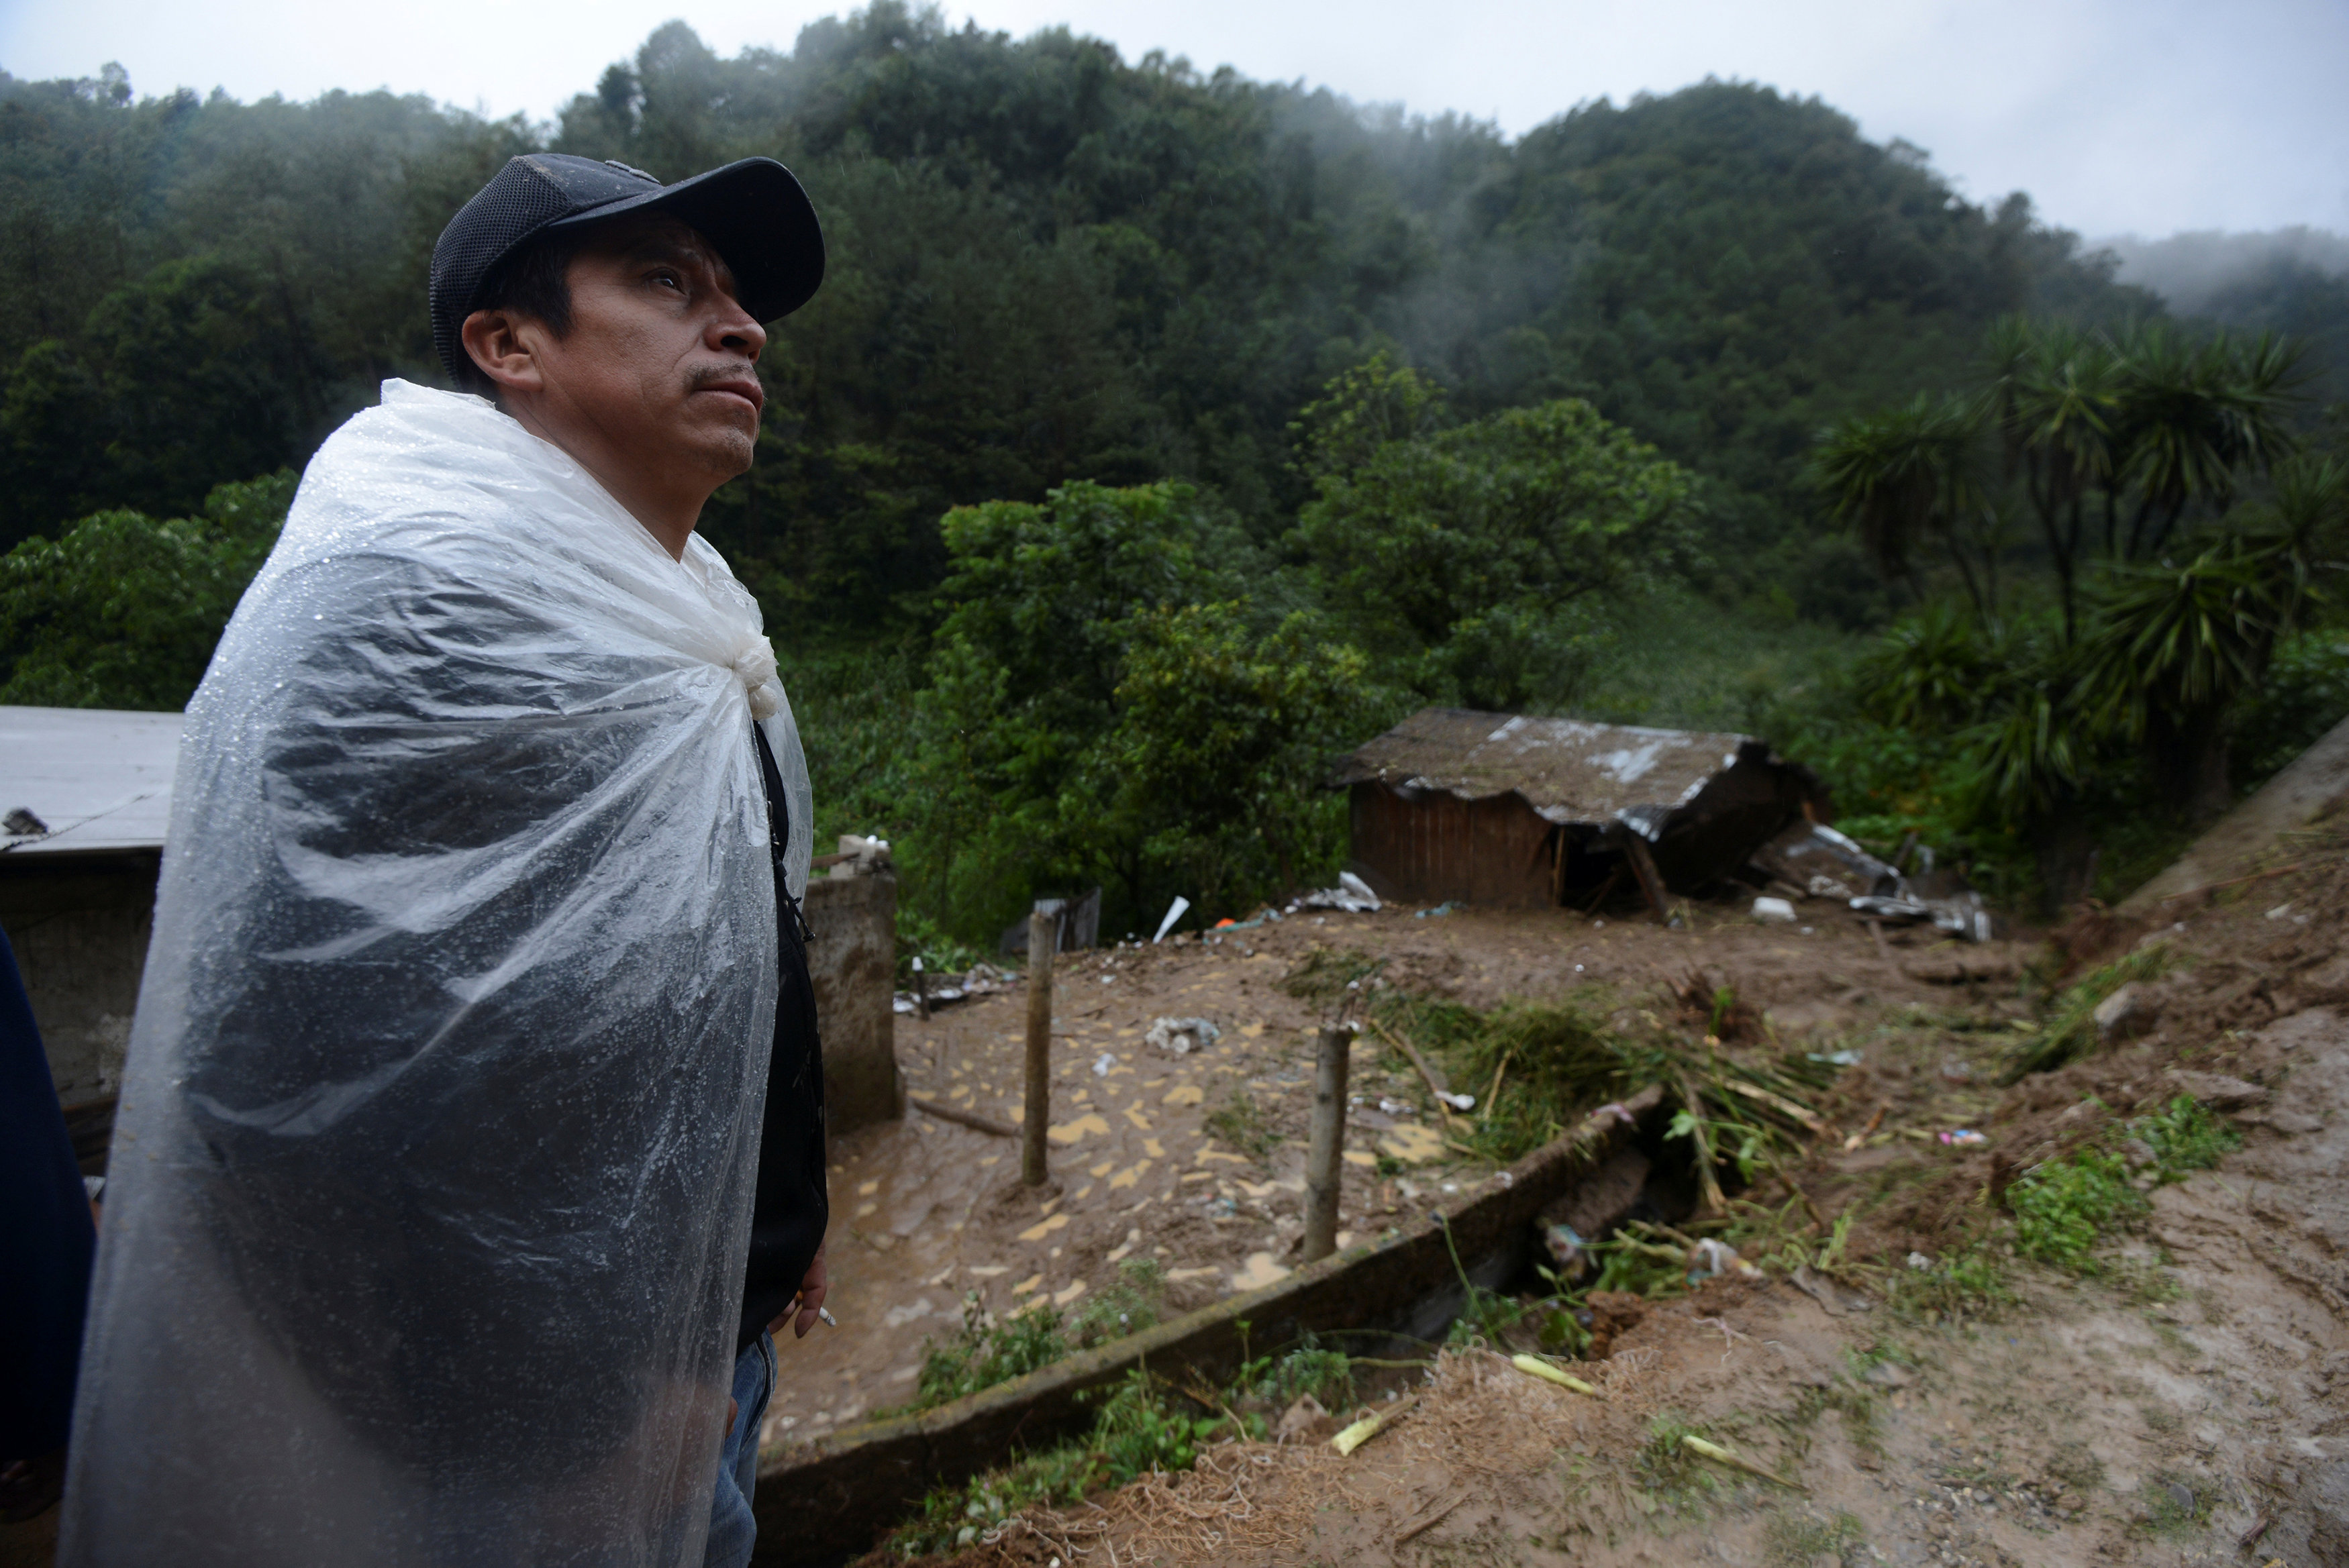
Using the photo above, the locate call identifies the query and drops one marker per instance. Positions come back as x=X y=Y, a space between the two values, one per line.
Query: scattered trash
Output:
x=1174 y=912
x=1351 y=895
x=1843 y=1058
x=1102 y=1063
x=1919 y=1260
x=1619 y=1111
x=1857 y=1139
x=1774 y=911
x=1565 y=1248
x=22 y=824
x=1964 y=1138
x=1960 y=914
x=1181 y=1037
x=1368 y=1427
x=1812 y=856
x=1720 y=1455
x=1446 y=907
x=2278 y=912
x=1533 y=1366
x=1711 y=1257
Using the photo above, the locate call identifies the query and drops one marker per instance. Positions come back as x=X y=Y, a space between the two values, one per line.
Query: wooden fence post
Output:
x=1043 y=932
x=1325 y=1160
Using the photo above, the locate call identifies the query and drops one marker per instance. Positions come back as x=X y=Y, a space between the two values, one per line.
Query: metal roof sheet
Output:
x=98 y=778
x=1567 y=769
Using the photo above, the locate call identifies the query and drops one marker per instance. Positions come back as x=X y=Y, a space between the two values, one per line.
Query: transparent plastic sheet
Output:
x=433 y=1167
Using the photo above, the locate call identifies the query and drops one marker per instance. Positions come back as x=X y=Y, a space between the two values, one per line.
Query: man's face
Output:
x=660 y=360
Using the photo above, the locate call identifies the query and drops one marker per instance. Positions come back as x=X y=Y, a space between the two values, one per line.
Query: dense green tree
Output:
x=122 y=609
x=1050 y=264
x=1468 y=556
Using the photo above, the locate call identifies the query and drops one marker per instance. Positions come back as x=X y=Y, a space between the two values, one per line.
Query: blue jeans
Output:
x=732 y=1529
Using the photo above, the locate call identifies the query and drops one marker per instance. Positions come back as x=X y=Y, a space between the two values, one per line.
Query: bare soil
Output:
x=927 y=1211
x=2188 y=1405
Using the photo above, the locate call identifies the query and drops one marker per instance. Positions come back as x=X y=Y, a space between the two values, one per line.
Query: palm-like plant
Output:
x=2194 y=418
x=2052 y=398
x=2178 y=644
x=1904 y=476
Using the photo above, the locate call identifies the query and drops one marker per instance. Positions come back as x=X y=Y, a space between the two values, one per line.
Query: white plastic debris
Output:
x=1181 y=1037
x=1174 y=912
x=1351 y=895
x=1774 y=911
x=1102 y=1063
x=861 y=856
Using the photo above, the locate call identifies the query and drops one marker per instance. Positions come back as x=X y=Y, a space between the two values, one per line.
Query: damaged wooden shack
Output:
x=1495 y=808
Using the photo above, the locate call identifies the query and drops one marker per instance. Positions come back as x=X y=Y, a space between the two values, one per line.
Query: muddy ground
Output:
x=2189 y=1405
x=928 y=1213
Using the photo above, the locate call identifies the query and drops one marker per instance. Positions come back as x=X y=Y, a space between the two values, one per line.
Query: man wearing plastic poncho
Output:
x=476 y=1025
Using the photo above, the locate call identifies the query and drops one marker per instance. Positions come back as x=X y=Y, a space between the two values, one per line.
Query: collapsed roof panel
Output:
x=1704 y=801
x=1567 y=769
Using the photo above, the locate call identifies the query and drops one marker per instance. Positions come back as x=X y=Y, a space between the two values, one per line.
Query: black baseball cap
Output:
x=753 y=213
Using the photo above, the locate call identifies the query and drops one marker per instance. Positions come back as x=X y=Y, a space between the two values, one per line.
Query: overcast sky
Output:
x=2118 y=115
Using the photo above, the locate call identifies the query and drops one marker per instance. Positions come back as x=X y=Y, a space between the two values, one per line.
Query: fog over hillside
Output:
x=2193 y=269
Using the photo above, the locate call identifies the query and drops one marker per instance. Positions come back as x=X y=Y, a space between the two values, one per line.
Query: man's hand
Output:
x=812 y=1292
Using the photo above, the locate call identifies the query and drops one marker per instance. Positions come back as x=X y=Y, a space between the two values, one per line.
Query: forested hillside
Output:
x=1157 y=433
x=1048 y=264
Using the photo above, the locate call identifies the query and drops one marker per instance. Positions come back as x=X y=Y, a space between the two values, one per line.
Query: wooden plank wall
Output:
x=1433 y=847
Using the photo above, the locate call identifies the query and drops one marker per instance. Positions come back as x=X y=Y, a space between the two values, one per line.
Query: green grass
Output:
x=985 y=1352
x=1136 y=1302
x=1143 y=1424
x=1965 y=1282
x=2065 y=1208
x=2185 y=1138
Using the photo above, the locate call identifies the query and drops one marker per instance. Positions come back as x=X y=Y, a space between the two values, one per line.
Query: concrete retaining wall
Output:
x=839 y=1494
x=853 y=962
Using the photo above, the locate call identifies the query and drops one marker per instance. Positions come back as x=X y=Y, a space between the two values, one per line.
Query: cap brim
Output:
x=758 y=219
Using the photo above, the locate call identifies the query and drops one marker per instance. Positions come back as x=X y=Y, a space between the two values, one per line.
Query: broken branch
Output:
x=1534 y=1367
x=1368 y=1427
x=969 y=1119
x=1720 y=1455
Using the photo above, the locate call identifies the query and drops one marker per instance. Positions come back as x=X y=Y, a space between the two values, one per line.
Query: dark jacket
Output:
x=791 y=1210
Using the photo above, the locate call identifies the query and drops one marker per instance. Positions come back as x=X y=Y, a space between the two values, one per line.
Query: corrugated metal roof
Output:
x=1568 y=770
x=98 y=779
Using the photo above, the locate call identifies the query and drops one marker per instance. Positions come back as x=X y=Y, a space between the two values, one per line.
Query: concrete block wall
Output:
x=853 y=962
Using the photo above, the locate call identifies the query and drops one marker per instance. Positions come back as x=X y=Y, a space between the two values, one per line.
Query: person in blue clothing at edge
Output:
x=472 y=1146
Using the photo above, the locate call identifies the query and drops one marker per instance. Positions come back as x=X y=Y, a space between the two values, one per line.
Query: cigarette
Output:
x=825 y=1313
